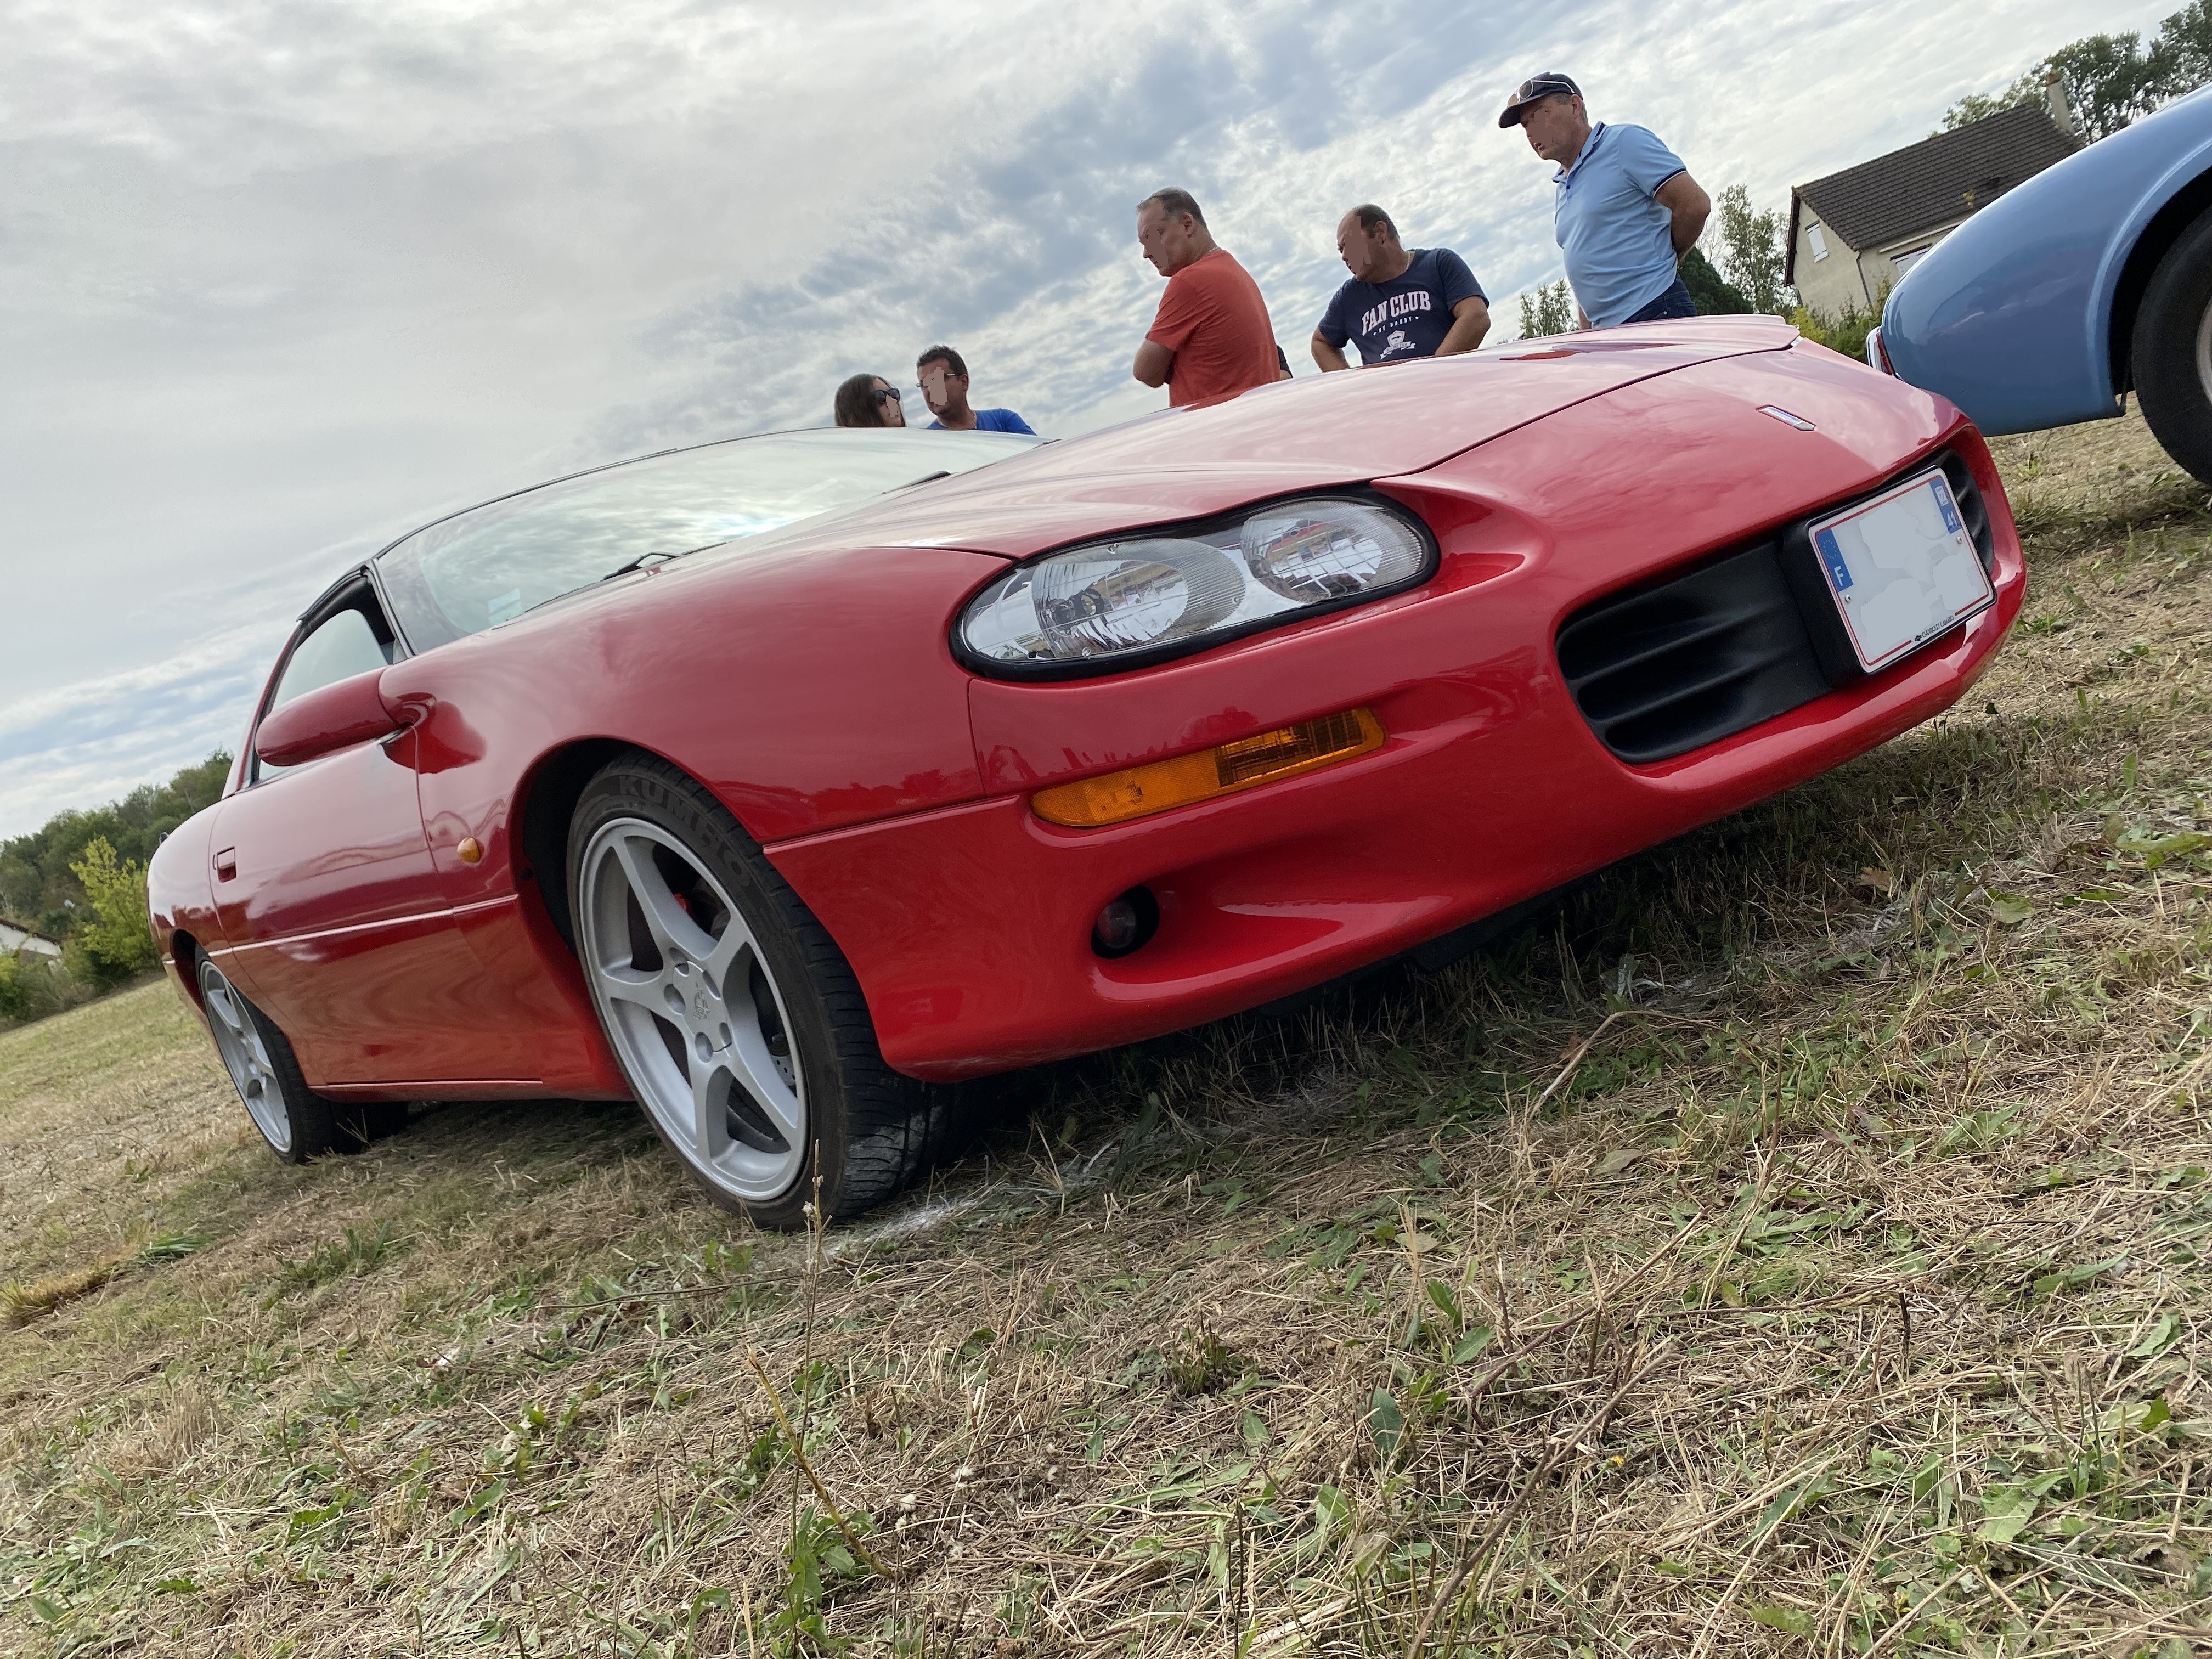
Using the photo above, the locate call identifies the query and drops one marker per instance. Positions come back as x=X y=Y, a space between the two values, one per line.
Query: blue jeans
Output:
x=1675 y=303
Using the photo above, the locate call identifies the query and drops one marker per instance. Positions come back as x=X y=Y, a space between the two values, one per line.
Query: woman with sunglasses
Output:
x=869 y=400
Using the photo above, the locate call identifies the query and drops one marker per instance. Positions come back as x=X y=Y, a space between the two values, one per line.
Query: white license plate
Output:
x=1902 y=569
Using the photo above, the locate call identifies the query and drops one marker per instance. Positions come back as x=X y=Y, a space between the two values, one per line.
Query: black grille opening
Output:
x=1972 y=508
x=1745 y=637
x=1670 y=669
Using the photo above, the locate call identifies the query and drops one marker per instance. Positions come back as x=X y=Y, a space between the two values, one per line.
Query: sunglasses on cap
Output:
x=1534 y=90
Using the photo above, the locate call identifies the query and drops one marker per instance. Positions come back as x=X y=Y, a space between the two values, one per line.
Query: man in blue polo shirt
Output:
x=1624 y=208
x=1401 y=303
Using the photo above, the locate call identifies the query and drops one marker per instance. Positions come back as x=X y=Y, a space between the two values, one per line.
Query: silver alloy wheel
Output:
x=696 y=1017
x=245 y=1057
x=2205 y=353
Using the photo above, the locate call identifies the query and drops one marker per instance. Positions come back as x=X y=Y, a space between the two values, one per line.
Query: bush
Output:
x=118 y=942
x=31 y=987
x=1845 y=332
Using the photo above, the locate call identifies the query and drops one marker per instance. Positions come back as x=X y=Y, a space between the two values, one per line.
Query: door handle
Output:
x=226 y=864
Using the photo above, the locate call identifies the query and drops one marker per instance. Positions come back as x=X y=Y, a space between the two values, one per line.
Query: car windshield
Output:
x=488 y=565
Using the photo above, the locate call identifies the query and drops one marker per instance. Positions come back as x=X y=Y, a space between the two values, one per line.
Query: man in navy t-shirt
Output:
x=944 y=374
x=1401 y=303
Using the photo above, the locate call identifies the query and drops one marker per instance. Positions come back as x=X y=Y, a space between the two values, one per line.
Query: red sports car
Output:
x=778 y=783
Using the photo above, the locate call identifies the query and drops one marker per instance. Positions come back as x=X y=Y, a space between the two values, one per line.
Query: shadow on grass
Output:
x=545 y=1139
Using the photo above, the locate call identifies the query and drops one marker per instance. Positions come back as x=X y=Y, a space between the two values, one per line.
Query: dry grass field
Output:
x=1799 y=1244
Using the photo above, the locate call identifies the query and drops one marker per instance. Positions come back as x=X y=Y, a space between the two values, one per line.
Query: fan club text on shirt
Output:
x=1397 y=305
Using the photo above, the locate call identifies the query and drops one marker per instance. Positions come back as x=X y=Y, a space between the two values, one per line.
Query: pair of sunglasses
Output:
x=886 y=395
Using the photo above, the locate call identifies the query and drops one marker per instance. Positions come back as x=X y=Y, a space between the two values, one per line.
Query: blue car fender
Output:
x=2013 y=316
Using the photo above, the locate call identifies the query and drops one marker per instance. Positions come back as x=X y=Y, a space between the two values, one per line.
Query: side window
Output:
x=343 y=646
x=344 y=643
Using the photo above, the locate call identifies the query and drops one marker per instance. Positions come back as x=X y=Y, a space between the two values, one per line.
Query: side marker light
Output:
x=1143 y=790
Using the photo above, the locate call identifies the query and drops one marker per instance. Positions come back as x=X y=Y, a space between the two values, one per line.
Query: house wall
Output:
x=1919 y=242
x=1853 y=276
x=1832 y=285
x=16 y=940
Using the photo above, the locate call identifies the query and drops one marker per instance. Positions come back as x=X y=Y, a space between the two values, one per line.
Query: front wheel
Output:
x=2173 y=350
x=736 y=1018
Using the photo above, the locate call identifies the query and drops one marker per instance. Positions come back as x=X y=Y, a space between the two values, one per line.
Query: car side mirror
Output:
x=331 y=717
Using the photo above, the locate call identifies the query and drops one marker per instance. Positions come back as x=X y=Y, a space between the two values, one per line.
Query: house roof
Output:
x=1935 y=181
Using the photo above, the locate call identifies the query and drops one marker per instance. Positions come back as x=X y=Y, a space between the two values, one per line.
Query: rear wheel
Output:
x=297 y=1122
x=2173 y=350
x=736 y=1018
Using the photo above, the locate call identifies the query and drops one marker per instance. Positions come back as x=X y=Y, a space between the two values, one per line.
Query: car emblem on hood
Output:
x=1786 y=418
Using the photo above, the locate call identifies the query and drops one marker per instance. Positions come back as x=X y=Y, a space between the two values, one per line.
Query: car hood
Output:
x=1321 y=432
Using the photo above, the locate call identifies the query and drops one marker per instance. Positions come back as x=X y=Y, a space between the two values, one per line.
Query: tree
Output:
x=1752 y=252
x=1711 y=292
x=2110 y=79
x=1547 y=309
x=1980 y=106
x=119 y=941
x=37 y=884
x=2180 y=54
x=2107 y=78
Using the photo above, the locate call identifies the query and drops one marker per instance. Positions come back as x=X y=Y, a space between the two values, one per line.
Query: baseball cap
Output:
x=1536 y=86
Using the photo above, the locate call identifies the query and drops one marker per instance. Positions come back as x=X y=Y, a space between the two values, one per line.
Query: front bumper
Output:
x=969 y=927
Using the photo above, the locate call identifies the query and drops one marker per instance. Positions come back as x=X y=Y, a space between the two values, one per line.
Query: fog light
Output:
x=1116 y=930
x=1126 y=923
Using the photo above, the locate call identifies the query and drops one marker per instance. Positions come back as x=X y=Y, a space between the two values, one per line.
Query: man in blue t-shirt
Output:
x=1401 y=303
x=1625 y=209
x=944 y=374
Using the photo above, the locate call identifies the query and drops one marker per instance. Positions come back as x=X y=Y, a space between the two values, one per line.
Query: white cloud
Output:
x=280 y=279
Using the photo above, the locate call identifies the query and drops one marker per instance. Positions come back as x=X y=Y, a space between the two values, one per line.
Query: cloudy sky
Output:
x=280 y=279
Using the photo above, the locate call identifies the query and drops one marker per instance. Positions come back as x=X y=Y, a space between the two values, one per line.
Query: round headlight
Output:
x=1103 y=601
x=1323 y=550
x=1092 y=609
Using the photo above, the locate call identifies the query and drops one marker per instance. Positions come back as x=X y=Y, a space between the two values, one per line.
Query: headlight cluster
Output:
x=1115 y=604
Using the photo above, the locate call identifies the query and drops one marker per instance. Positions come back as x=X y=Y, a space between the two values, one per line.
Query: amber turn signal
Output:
x=1143 y=790
x=470 y=849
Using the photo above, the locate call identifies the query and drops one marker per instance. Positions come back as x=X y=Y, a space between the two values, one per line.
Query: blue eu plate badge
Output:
x=1901 y=567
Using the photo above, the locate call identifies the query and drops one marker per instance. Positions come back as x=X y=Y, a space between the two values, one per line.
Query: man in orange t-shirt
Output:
x=1212 y=338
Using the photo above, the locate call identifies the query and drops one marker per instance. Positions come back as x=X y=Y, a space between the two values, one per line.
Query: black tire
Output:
x=863 y=1131
x=295 y=1122
x=2171 y=351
